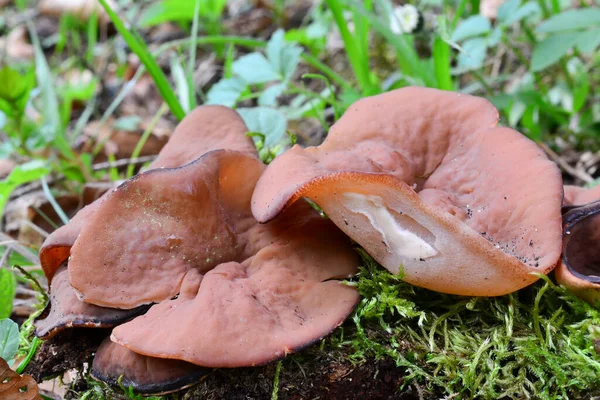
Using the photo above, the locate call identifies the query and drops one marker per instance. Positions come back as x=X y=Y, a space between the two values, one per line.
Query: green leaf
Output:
x=571 y=20
x=512 y=11
x=14 y=90
x=475 y=25
x=268 y=121
x=226 y=92
x=588 y=41
x=23 y=173
x=551 y=50
x=8 y=286
x=284 y=57
x=269 y=96
x=9 y=339
x=473 y=54
x=254 y=68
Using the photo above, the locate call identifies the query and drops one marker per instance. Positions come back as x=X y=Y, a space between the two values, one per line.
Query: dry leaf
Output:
x=16 y=44
x=16 y=387
x=82 y=9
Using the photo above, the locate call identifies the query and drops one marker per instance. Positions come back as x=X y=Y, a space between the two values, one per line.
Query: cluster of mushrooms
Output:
x=210 y=259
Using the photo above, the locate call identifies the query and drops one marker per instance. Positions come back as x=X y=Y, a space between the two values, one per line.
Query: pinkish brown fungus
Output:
x=427 y=183
x=261 y=291
x=184 y=237
x=579 y=269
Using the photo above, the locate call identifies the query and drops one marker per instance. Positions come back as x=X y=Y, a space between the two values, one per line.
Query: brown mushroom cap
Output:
x=65 y=310
x=146 y=375
x=204 y=129
x=579 y=269
x=426 y=183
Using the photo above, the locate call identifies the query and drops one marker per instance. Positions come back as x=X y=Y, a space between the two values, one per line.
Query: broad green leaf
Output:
x=552 y=49
x=512 y=11
x=268 y=121
x=164 y=11
x=254 y=68
x=588 y=41
x=475 y=25
x=226 y=92
x=269 y=96
x=472 y=55
x=284 y=57
x=8 y=285
x=571 y=20
x=23 y=173
x=9 y=339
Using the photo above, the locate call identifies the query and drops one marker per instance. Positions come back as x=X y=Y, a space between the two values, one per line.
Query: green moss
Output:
x=538 y=342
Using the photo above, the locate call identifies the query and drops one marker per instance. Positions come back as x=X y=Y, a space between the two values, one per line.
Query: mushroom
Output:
x=428 y=185
x=579 y=269
x=115 y=364
x=182 y=240
x=261 y=291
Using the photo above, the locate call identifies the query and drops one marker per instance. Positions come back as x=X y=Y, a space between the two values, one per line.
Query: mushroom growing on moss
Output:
x=427 y=183
x=579 y=269
x=181 y=239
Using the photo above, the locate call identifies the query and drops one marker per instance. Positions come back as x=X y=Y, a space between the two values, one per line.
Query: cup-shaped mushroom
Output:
x=579 y=269
x=428 y=185
x=185 y=238
x=65 y=310
x=115 y=364
x=204 y=129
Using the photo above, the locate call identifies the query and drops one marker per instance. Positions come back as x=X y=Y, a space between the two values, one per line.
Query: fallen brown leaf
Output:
x=16 y=387
x=82 y=9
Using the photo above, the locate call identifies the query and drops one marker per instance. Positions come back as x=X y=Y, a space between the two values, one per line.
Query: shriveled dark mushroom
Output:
x=579 y=269
x=429 y=186
x=115 y=364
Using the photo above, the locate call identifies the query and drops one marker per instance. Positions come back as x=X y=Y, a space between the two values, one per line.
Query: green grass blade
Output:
x=355 y=56
x=141 y=50
x=441 y=62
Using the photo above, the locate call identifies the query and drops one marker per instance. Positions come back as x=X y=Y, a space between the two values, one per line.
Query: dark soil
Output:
x=314 y=373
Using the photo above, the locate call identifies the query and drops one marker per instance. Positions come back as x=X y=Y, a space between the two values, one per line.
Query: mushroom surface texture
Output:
x=430 y=187
x=579 y=269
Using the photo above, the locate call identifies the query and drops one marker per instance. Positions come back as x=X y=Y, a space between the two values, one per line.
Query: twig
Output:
x=19 y=248
x=122 y=162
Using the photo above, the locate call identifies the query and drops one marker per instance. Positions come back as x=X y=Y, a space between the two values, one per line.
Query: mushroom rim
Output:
x=154 y=389
x=397 y=184
x=573 y=216
x=268 y=361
